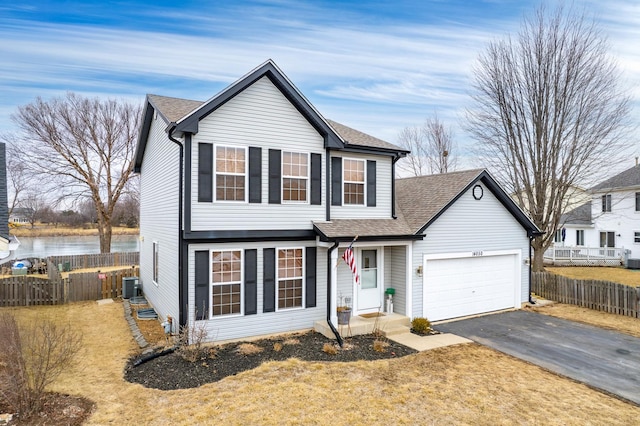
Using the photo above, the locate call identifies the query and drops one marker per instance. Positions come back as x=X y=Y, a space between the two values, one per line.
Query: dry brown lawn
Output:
x=616 y=274
x=57 y=231
x=465 y=384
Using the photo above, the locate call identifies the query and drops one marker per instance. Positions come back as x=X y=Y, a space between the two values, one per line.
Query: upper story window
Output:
x=231 y=173
x=290 y=291
x=295 y=177
x=354 y=181
x=638 y=201
x=226 y=283
x=606 y=203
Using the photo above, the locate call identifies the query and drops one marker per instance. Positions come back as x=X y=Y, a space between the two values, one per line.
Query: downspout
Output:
x=329 y=272
x=531 y=301
x=181 y=296
x=393 y=186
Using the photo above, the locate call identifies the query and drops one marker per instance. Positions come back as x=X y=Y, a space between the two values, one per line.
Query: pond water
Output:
x=54 y=246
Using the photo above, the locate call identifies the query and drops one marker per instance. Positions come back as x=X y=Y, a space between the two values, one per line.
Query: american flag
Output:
x=350 y=260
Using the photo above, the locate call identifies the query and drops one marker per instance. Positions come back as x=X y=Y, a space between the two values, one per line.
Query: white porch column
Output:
x=409 y=281
x=334 y=286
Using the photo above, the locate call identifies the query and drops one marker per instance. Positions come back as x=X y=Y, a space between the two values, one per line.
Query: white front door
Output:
x=369 y=297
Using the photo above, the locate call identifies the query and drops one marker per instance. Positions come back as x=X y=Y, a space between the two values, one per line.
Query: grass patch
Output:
x=617 y=274
x=464 y=384
x=59 y=231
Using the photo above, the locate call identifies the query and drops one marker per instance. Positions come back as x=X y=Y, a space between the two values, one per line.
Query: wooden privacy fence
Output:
x=28 y=291
x=84 y=261
x=91 y=285
x=599 y=295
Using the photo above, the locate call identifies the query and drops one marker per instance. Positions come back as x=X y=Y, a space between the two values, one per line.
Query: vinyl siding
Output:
x=238 y=327
x=159 y=182
x=398 y=278
x=622 y=219
x=471 y=225
x=344 y=280
x=260 y=116
x=382 y=210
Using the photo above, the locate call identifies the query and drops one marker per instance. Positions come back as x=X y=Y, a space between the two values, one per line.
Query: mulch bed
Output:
x=172 y=371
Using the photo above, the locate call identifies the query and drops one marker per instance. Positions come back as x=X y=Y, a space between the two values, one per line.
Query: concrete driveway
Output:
x=600 y=358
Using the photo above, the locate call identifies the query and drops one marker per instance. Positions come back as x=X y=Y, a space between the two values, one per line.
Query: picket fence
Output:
x=593 y=294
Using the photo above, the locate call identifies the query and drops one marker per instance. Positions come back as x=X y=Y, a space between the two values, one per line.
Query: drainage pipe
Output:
x=329 y=273
x=154 y=355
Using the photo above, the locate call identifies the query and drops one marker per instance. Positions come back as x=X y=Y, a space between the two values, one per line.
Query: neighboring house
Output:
x=611 y=218
x=21 y=215
x=248 y=201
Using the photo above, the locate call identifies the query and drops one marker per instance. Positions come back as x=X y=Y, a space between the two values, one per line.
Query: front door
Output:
x=369 y=295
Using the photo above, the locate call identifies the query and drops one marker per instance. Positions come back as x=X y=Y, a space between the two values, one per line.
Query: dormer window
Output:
x=295 y=177
x=231 y=173
x=354 y=179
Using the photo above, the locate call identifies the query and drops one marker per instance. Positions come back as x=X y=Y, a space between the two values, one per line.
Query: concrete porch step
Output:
x=398 y=329
x=391 y=323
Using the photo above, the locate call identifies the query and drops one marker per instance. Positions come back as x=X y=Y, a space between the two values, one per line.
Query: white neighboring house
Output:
x=610 y=219
x=249 y=200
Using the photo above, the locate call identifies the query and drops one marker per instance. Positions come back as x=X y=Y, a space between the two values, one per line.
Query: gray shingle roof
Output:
x=421 y=198
x=348 y=228
x=356 y=137
x=581 y=215
x=173 y=108
x=628 y=178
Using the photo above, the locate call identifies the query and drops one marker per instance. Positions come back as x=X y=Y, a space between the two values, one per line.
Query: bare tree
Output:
x=19 y=180
x=432 y=148
x=548 y=112
x=85 y=145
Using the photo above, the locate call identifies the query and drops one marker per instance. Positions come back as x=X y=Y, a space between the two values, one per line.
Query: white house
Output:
x=249 y=200
x=610 y=219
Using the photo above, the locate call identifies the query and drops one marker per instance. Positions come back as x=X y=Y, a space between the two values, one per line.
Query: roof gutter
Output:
x=182 y=317
x=329 y=272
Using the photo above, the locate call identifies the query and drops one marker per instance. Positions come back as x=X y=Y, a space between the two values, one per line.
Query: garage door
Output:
x=460 y=286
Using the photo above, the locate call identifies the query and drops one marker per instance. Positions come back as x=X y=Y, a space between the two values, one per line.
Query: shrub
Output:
x=32 y=357
x=248 y=349
x=329 y=348
x=380 y=345
x=421 y=325
x=191 y=339
x=277 y=346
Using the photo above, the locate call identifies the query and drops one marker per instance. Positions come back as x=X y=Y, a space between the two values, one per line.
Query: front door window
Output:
x=369 y=277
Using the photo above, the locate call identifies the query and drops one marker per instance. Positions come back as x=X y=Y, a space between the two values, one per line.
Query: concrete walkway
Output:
x=425 y=343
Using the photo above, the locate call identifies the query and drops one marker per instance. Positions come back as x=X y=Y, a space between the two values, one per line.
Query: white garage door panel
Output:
x=466 y=286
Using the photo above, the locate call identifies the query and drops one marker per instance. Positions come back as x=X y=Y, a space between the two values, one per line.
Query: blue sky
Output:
x=378 y=66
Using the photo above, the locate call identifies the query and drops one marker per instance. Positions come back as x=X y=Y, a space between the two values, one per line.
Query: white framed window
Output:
x=638 y=201
x=295 y=177
x=226 y=282
x=353 y=178
x=290 y=278
x=557 y=237
x=636 y=237
x=579 y=237
x=606 y=203
x=155 y=262
x=230 y=173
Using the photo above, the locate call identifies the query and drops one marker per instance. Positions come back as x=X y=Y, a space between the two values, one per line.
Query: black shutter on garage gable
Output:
x=250 y=282
x=255 y=174
x=336 y=181
x=275 y=169
x=371 y=183
x=316 y=179
x=310 y=277
x=269 y=280
x=202 y=284
x=205 y=172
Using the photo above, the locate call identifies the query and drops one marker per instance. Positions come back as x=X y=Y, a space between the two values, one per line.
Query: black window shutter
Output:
x=274 y=176
x=316 y=179
x=202 y=284
x=310 y=277
x=205 y=172
x=371 y=183
x=269 y=280
x=336 y=181
x=250 y=282
x=255 y=174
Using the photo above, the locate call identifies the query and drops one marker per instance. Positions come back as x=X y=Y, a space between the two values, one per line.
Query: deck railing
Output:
x=583 y=256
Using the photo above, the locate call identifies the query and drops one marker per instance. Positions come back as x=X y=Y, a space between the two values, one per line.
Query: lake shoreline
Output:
x=51 y=231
